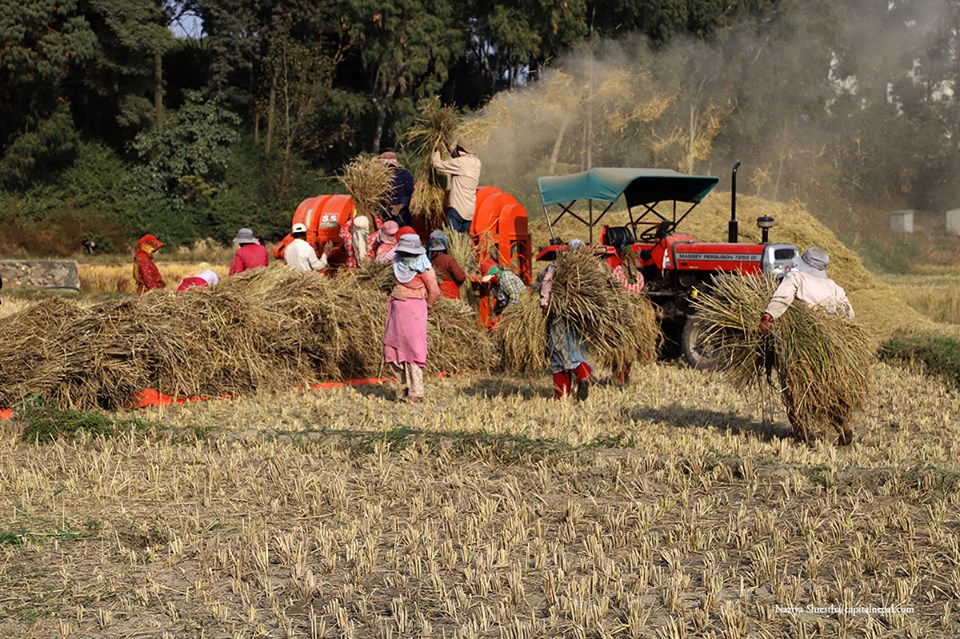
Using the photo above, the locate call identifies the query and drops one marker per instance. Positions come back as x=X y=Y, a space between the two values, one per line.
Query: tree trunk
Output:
x=378 y=132
x=271 y=109
x=158 y=88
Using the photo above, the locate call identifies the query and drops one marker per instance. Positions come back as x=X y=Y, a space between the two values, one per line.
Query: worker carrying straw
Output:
x=565 y=346
x=808 y=282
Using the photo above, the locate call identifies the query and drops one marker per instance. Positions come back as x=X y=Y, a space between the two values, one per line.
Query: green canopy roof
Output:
x=639 y=186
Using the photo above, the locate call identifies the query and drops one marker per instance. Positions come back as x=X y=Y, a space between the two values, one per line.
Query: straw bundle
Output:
x=823 y=361
x=369 y=183
x=618 y=327
x=267 y=329
x=435 y=129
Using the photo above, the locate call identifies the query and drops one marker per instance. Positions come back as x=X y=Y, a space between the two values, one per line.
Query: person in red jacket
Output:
x=449 y=273
x=145 y=272
x=251 y=253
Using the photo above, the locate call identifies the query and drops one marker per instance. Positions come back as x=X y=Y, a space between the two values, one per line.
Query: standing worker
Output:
x=405 y=337
x=355 y=235
x=301 y=256
x=808 y=282
x=384 y=243
x=251 y=253
x=145 y=272
x=564 y=345
x=449 y=273
x=398 y=208
x=463 y=178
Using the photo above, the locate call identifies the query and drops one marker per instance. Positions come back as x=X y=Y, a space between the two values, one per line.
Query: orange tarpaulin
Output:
x=153 y=397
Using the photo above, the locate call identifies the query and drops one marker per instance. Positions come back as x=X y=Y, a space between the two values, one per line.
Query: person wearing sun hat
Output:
x=385 y=242
x=250 y=254
x=145 y=272
x=449 y=273
x=405 y=335
x=809 y=283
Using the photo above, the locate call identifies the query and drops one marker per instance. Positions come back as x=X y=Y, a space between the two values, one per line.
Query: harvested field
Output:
x=671 y=509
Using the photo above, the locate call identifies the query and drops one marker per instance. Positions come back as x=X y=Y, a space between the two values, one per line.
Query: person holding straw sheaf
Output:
x=463 y=176
x=565 y=347
x=808 y=282
x=405 y=336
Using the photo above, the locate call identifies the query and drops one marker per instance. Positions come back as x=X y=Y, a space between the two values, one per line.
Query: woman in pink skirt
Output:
x=414 y=292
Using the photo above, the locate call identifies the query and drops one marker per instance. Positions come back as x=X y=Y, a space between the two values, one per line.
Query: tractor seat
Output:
x=619 y=236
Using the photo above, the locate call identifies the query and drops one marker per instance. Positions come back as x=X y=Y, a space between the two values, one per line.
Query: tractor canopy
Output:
x=639 y=186
x=643 y=188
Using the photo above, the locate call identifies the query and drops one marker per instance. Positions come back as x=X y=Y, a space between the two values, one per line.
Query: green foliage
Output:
x=36 y=154
x=45 y=423
x=938 y=356
x=196 y=143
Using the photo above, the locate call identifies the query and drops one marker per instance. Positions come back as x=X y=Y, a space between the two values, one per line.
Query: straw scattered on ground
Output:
x=823 y=361
x=268 y=329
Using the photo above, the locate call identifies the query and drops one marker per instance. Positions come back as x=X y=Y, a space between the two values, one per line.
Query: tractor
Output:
x=675 y=266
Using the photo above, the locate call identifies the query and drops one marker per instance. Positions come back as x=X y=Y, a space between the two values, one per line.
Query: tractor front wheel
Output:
x=697 y=353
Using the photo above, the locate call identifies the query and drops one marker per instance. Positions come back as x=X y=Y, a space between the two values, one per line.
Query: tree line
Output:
x=111 y=125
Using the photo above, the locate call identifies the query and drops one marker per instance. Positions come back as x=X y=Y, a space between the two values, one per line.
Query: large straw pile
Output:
x=369 y=183
x=619 y=328
x=823 y=361
x=268 y=329
x=435 y=129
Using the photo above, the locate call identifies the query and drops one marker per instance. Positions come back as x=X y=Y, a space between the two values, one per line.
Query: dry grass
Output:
x=935 y=296
x=118 y=278
x=265 y=329
x=671 y=509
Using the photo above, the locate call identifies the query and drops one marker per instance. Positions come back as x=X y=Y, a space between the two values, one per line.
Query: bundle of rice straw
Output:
x=435 y=129
x=823 y=361
x=266 y=329
x=369 y=183
x=618 y=327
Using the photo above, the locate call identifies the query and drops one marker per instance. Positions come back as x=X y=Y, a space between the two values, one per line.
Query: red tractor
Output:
x=675 y=266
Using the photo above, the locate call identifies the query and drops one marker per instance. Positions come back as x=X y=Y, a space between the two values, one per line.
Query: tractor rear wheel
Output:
x=697 y=353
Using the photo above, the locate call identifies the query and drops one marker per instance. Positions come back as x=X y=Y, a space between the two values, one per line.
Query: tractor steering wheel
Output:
x=656 y=233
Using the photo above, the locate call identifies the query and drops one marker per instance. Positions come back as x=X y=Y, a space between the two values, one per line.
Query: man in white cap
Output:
x=808 y=282
x=300 y=255
x=251 y=253
x=463 y=177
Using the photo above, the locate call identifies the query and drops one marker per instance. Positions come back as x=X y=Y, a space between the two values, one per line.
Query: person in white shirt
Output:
x=300 y=255
x=463 y=177
x=808 y=282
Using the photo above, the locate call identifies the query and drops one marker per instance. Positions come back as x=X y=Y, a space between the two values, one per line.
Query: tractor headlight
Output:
x=779 y=270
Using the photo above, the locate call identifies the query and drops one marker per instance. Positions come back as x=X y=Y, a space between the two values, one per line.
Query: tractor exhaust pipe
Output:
x=733 y=231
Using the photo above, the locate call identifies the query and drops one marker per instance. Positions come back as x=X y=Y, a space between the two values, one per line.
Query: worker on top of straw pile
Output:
x=449 y=273
x=506 y=286
x=414 y=292
x=145 y=271
x=398 y=208
x=384 y=243
x=565 y=348
x=355 y=235
x=203 y=279
x=300 y=255
x=463 y=177
x=251 y=253
x=808 y=282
